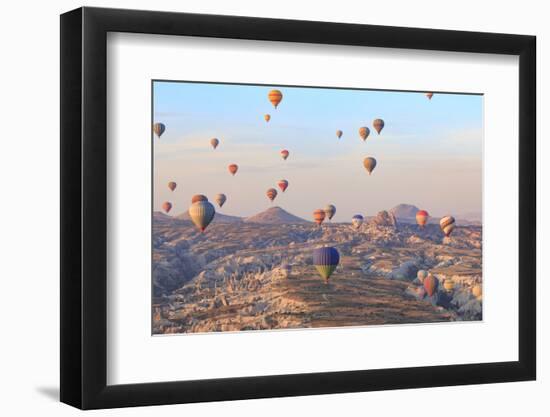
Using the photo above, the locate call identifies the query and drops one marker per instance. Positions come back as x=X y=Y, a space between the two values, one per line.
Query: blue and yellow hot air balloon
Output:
x=159 y=129
x=357 y=221
x=326 y=260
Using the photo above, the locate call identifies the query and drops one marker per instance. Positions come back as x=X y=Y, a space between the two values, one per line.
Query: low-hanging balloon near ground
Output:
x=422 y=217
x=357 y=221
x=364 y=133
x=167 y=206
x=378 y=125
x=159 y=129
x=201 y=214
x=172 y=185
x=330 y=211
x=447 y=225
x=283 y=185
x=214 y=142
x=319 y=216
x=271 y=193
x=369 y=163
x=275 y=97
x=233 y=168
x=284 y=154
x=220 y=199
x=326 y=260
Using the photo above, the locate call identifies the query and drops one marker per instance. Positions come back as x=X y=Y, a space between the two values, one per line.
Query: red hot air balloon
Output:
x=198 y=197
x=429 y=95
x=422 y=217
x=431 y=283
x=271 y=194
x=172 y=185
x=283 y=185
x=284 y=154
x=233 y=168
x=167 y=206
x=319 y=216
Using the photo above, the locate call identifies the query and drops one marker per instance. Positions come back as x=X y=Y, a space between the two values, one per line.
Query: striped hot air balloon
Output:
x=214 y=142
x=167 y=206
x=172 y=185
x=422 y=217
x=319 y=216
x=271 y=193
x=159 y=129
x=267 y=117
x=421 y=275
x=202 y=213
x=429 y=95
x=364 y=132
x=369 y=163
x=357 y=221
x=284 y=154
x=431 y=283
x=283 y=185
x=220 y=199
x=233 y=168
x=275 y=97
x=447 y=225
x=198 y=197
x=325 y=261
x=330 y=211
x=339 y=134
x=378 y=125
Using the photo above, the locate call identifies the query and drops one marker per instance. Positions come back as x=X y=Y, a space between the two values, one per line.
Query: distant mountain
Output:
x=404 y=211
x=159 y=217
x=274 y=215
x=218 y=218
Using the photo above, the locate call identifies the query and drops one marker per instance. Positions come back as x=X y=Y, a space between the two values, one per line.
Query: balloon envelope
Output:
x=326 y=260
x=330 y=211
x=429 y=95
x=421 y=275
x=319 y=216
x=172 y=185
x=202 y=213
x=233 y=168
x=378 y=125
x=284 y=154
x=275 y=97
x=447 y=225
x=167 y=206
x=198 y=197
x=159 y=129
x=220 y=199
x=267 y=117
x=283 y=185
x=369 y=163
x=271 y=193
x=430 y=284
x=364 y=132
x=422 y=217
x=339 y=133
x=357 y=221
x=477 y=291
x=214 y=142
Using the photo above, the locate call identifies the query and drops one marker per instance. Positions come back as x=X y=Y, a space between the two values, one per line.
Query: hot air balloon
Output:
x=448 y=284
x=283 y=185
x=430 y=284
x=364 y=132
x=477 y=291
x=172 y=185
x=167 y=206
x=421 y=275
x=318 y=216
x=378 y=125
x=447 y=225
x=198 y=197
x=214 y=142
x=202 y=213
x=159 y=129
x=422 y=217
x=233 y=168
x=220 y=199
x=369 y=163
x=339 y=133
x=267 y=117
x=429 y=95
x=271 y=193
x=357 y=221
x=326 y=260
x=330 y=211
x=275 y=96
x=284 y=154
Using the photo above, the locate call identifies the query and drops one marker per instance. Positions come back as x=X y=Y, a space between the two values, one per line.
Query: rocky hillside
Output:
x=275 y=215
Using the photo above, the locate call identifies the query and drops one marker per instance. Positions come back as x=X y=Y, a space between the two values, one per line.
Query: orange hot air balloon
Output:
x=339 y=133
x=214 y=142
x=172 y=185
x=271 y=194
x=267 y=117
x=275 y=96
x=429 y=95
x=431 y=283
x=167 y=206
x=283 y=185
x=319 y=216
x=378 y=125
x=233 y=168
x=369 y=163
x=422 y=217
x=198 y=197
x=364 y=132
x=284 y=154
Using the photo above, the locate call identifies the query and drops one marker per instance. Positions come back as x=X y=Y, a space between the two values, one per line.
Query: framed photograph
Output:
x=258 y=208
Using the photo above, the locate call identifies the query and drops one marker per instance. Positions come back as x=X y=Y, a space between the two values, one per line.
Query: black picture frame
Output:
x=84 y=207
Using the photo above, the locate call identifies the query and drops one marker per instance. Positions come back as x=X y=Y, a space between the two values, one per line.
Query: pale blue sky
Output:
x=429 y=153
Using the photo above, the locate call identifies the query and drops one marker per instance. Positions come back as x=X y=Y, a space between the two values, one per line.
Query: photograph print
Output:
x=291 y=207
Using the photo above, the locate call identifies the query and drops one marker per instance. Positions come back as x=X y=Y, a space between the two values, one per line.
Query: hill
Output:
x=275 y=215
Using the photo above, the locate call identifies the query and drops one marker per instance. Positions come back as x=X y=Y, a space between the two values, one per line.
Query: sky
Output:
x=429 y=153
